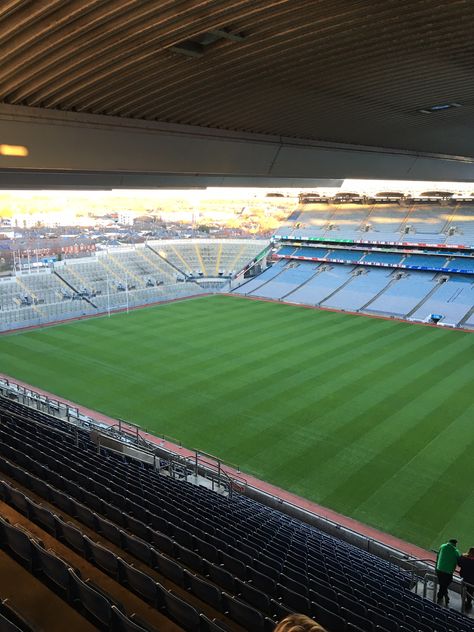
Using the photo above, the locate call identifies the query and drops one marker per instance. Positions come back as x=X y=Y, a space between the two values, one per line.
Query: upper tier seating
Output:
x=428 y=220
x=462 y=222
x=387 y=219
x=252 y=563
x=385 y=222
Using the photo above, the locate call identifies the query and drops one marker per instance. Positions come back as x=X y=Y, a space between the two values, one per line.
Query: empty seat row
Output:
x=253 y=554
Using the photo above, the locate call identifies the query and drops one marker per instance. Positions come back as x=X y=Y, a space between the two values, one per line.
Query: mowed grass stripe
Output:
x=393 y=415
x=337 y=408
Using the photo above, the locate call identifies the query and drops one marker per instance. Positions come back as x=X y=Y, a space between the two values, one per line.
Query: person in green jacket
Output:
x=446 y=562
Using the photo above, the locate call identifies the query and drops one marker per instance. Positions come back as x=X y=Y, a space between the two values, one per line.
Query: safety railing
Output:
x=126 y=437
x=430 y=581
x=467 y=596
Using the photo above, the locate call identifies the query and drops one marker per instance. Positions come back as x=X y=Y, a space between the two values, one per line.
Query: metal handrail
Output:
x=430 y=577
x=125 y=432
x=464 y=590
x=414 y=566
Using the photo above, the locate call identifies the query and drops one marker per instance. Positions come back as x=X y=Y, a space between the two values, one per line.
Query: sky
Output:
x=14 y=202
x=240 y=193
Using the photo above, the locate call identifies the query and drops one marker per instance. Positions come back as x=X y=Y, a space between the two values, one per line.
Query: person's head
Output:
x=470 y=553
x=453 y=541
x=298 y=623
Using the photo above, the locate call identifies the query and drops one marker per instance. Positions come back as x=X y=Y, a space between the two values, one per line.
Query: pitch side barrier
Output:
x=197 y=467
x=128 y=439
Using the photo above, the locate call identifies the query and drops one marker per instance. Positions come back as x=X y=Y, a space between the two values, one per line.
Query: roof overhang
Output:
x=67 y=149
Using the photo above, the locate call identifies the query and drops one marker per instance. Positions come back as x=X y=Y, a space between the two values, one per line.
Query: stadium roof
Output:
x=391 y=76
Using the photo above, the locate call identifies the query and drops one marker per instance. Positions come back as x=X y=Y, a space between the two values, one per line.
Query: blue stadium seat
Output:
x=70 y=534
x=293 y=600
x=244 y=615
x=137 y=527
x=114 y=515
x=207 y=550
x=357 y=620
x=168 y=567
x=183 y=537
x=329 y=620
x=383 y=621
x=183 y=613
x=203 y=590
x=109 y=530
x=300 y=587
x=51 y=567
x=136 y=547
x=18 y=500
x=191 y=559
x=11 y=619
x=18 y=543
x=138 y=512
x=101 y=557
x=214 y=625
x=43 y=517
x=84 y=515
x=262 y=582
x=140 y=583
x=8 y=626
x=266 y=570
x=121 y=623
x=352 y=604
x=163 y=543
x=89 y=600
x=234 y=566
x=253 y=597
x=221 y=577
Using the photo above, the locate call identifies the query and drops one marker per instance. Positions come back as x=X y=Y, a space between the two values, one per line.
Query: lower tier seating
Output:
x=203 y=561
x=383 y=291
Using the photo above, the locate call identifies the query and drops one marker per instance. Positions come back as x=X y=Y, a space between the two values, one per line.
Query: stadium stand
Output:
x=294 y=275
x=366 y=289
x=387 y=223
x=351 y=256
x=424 y=261
x=411 y=241
x=109 y=535
x=360 y=291
x=406 y=291
x=252 y=285
x=323 y=285
x=384 y=257
x=123 y=277
x=454 y=299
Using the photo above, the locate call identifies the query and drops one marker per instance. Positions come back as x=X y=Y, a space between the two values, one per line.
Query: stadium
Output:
x=208 y=433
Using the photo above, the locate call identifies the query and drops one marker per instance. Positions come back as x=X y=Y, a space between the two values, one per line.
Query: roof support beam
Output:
x=60 y=142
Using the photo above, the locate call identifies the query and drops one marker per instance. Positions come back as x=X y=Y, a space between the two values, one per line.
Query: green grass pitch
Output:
x=373 y=418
